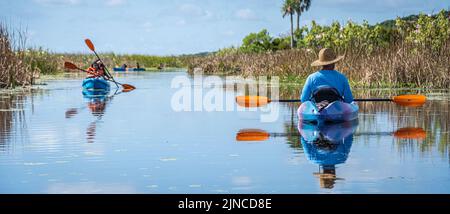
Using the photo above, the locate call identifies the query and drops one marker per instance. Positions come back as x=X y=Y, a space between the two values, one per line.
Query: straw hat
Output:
x=326 y=57
x=328 y=177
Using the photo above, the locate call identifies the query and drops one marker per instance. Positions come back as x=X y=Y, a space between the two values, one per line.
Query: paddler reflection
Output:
x=96 y=102
x=327 y=145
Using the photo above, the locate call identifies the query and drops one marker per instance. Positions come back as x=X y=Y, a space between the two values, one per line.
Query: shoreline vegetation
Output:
x=409 y=52
x=413 y=51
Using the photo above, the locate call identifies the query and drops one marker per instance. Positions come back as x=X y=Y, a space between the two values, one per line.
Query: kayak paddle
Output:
x=126 y=87
x=261 y=135
x=411 y=100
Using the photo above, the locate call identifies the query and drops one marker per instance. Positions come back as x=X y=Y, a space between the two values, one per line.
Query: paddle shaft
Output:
x=374 y=100
x=356 y=100
x=275 y=135
x=106 y=69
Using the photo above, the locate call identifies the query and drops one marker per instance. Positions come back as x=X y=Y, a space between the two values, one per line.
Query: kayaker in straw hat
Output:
x=326 y=85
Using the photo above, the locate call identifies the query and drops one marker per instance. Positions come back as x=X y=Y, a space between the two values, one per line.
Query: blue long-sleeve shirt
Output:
x=330 y=78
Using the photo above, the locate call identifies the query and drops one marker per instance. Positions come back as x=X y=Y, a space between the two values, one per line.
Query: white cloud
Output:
x=181 y=22
x=191 y=9
x=245 y=14
x=148 y=26
x=378 y=4
x=229 y=33
x=113 y=3
x=208 y=14
x=58 y=2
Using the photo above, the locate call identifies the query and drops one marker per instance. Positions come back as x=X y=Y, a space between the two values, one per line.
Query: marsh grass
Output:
x=14 y=71
x=20 y=66
x=113 y=60
x=399 y=65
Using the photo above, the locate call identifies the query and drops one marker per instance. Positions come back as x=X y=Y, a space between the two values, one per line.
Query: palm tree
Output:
x=301 y=6
x=289 y=8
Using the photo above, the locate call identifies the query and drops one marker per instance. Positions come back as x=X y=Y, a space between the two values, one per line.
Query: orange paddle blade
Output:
x=252 y=135
x=410 y=133
x=410 y=100
x=90 y=44
x=127 y=87
x=70 y=65
x=252 y=101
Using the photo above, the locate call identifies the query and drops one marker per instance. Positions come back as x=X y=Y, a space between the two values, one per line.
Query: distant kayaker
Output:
x=96 y=70
x=137 y=65
x=326 y=85
x=161 y=66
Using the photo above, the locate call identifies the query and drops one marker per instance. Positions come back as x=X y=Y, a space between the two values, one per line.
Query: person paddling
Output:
x=96 y=70
x=326 y=85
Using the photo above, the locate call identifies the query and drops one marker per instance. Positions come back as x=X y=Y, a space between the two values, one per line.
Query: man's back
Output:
x=327 y=78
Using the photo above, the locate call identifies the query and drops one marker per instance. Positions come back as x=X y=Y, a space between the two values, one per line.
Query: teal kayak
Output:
x=328 y=144
x=128 y=69
x=96 y=84
x=94 y=93
x=335 y=112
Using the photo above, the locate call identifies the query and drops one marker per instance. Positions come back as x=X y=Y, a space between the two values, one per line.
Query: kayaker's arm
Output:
x=348 y=96
x=306 y=92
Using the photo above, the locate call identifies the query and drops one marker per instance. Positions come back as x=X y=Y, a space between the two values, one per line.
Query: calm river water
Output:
x=54 y=140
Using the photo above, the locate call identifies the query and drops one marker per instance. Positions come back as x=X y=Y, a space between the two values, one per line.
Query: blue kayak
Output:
x=90 y=94
x=96 y=84
x=335 y=112
x=128 y=69
x=328 y=144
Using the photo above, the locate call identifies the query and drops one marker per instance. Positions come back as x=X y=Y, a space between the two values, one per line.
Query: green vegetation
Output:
x=407 y=52
x=113 y=60
x=9 y=61
x=20 y=66
x=415 y=52
x=42 y=61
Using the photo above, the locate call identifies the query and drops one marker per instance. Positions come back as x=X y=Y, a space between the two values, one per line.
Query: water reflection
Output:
x=10 y=112
x=96 y=102
x=13 y=124
x=42 y=151
x=327 y=145
x=385 y=117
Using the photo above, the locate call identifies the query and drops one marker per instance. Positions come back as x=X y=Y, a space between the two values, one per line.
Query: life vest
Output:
x=92 y=72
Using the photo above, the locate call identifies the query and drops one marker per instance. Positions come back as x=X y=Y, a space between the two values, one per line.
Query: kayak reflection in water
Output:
x=327 y=145
x=97 y=102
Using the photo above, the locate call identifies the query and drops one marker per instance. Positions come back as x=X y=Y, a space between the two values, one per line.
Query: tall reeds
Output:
x=411 y=53
x=398 y=65
x=14 y=71
x=115 y=60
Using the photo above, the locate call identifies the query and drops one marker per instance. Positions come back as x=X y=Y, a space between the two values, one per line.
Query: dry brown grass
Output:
x=14 y=69
x=399 y=65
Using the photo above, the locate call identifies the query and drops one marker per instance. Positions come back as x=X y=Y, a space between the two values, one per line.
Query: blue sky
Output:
x=170 y=27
